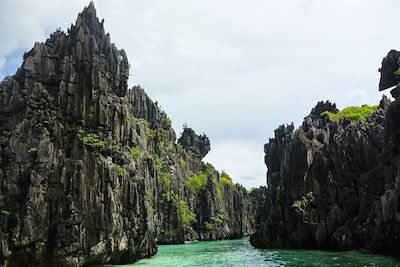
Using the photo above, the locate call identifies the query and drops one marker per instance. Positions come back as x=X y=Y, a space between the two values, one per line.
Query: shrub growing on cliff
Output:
x=129 y=119
x=301 y=207
x=352 y=113
x=135 y=152
x=32 y=150
x=179 y=148
x=119 y=169
x=151 y=133
x=93 y=140
x=209 y=226
x=168 y=121
x=198 y=182
x=187 y=218
x=220 y=218
x=224 y=179
x=162 y=174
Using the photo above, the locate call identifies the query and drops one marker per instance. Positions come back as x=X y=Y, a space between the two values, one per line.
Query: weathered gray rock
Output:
x=352 y=170
x=199 y=145
x=90 y=172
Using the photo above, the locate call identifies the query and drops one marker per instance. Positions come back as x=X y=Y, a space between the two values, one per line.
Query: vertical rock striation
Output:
x=90 y=172
x=352 y=170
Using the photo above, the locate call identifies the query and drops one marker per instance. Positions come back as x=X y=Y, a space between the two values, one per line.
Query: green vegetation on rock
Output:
x=301 y=205
x=5 y=212
x=215 y=221
x=187 y=218
x=352 y=113
x=135 y=152
x=32 y=150
x=119 y=169
x=159 y=169
x=129 y=119
x=220 y=218
x=225 y=179
x=198 y=182
x=208 y=226
x=179 y=148
x=182 y=161
x=151 y=133
x=93 y=140
x=168 y=121
x=169 y=195
x=149 y=199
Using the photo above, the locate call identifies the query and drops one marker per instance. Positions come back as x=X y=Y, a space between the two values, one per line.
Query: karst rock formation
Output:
x=91 y=171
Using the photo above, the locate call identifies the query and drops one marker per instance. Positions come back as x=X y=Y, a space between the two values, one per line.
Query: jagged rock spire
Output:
x=77 y=69
x=88 y=18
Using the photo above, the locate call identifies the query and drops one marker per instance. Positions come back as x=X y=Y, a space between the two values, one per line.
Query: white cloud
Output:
x=232 y=69
x=242 y=159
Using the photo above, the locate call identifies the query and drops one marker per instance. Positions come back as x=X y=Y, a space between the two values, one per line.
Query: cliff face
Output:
x=352 y=170
x=90 y=172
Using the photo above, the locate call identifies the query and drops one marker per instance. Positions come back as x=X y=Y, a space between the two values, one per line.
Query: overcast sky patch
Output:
x=232 y=69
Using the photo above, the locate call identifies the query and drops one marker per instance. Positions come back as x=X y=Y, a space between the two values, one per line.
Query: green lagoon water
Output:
x=240 y=253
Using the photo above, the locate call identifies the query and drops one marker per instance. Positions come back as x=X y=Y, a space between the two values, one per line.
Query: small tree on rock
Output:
x=301 y=206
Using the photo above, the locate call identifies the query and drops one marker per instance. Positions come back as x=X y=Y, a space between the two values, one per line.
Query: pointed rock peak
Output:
x=91 y=9
x=88 y=18
x=322 y=107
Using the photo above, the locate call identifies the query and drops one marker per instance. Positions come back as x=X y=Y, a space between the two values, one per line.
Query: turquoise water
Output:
x=240 y=253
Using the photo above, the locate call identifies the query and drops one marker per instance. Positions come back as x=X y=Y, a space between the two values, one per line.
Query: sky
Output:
x=233 y=69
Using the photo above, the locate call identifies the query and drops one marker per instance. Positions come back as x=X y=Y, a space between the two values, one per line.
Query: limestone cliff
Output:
x=351 y=168
x=90 y=172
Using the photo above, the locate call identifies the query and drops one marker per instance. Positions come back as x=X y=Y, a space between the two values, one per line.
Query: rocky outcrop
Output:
x=90 y=172
x=351 y=168
x=198 y=145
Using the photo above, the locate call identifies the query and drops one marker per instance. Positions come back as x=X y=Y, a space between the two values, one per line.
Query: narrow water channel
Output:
x=240 y=253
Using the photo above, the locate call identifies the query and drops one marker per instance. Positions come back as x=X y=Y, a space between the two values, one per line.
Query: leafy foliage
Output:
x=93 y=140
x=179 y=147
x=151 y=133
x=218 y=220
x=182 y=161
x=135 y=152
x=208 y=226
x=225 y=179
x=119 y=169
x=148 y=199
x=198 y=182
x=5 y=212
x=162 y=174
x=169 y=195
x=32 y=150
x=129 y=119
x=301 y=205
x=352 y=113
x=168 y=121
x=187 y=218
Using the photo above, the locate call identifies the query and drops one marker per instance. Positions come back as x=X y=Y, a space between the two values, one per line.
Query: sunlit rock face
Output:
x=91 y=172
